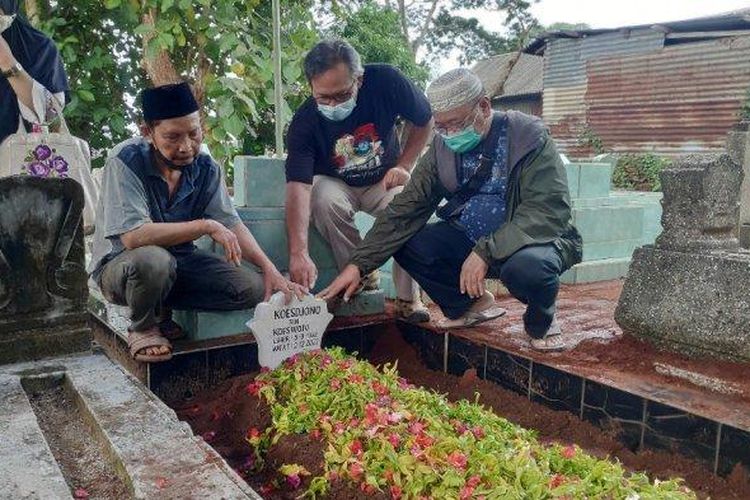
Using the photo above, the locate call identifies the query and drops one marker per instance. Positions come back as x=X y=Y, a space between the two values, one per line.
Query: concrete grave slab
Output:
x=157 y=454
x=23 y=448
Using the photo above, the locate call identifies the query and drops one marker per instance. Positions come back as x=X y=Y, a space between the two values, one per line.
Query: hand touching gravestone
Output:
x=285 y=330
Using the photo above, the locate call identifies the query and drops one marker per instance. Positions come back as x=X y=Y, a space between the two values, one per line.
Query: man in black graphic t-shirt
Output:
x=344 y=156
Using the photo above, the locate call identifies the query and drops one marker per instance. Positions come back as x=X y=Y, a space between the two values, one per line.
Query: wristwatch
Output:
x=14 y=70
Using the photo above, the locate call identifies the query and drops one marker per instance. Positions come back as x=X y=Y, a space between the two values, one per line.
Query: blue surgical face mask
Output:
x=340 y=111
x=463 y=141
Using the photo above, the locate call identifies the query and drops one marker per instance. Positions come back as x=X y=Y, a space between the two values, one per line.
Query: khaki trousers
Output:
x=333 y=205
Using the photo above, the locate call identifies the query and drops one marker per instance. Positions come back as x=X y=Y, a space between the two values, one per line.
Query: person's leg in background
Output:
x=409 y=304
x=333 y=204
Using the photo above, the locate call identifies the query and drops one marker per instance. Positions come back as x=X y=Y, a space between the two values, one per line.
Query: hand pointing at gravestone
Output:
x=347 y=282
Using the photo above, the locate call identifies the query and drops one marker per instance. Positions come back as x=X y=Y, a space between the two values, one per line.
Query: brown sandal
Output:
x=139 y=341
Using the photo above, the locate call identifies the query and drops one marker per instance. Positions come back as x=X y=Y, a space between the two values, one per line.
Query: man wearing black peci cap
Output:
x=159 y=194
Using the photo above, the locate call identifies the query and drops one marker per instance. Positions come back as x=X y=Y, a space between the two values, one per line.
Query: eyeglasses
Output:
x=457 y=125
x=336 y=98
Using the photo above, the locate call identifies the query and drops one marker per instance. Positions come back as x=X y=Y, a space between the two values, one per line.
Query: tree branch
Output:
x=425 y=26
x=404 y=24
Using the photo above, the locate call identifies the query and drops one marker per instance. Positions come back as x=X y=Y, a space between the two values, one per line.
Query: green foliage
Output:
x=639 y=172
x=101 y=60
x=590 y=139
x=383 y=434
x=435 y=29
x=222 y=47
x=376 y=34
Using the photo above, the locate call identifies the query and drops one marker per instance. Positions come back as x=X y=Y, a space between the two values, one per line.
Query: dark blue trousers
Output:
x=434 y=256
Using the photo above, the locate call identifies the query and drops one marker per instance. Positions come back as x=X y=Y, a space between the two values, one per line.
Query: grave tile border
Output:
x=464 y=355
x=671 y=429
x=733 y=449
x=719 y=446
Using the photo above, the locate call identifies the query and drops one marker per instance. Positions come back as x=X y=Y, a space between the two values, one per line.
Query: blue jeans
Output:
x=434 y=256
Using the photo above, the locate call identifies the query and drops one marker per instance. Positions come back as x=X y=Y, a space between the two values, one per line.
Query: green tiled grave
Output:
x=612 y=223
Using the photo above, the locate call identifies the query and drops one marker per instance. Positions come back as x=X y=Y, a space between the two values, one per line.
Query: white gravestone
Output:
x=285 y=330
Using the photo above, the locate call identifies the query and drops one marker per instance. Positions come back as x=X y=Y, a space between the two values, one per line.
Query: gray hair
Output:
x=454 y=89
x=327 y=54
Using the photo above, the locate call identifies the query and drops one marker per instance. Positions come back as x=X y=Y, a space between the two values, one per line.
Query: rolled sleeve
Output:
x=124 y=205
x=220 y=207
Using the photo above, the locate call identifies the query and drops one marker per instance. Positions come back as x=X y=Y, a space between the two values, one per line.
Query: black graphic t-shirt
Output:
x=363 y=147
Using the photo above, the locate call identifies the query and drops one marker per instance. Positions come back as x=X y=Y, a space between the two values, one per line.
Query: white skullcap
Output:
x=453 y=89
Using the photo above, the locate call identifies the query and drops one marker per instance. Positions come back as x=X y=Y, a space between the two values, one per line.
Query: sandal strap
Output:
x=140 y=341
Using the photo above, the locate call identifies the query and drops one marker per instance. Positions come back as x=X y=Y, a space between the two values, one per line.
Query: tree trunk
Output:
x=158 y=66
x=32 y=12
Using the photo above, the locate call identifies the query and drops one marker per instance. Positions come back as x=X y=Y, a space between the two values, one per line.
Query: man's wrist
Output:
x=207 y=226
x=405 y=166
x=300 y=252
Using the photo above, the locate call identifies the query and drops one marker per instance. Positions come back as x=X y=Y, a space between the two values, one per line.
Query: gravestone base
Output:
x=40 y=343
x=745 y=235
x=691 y=303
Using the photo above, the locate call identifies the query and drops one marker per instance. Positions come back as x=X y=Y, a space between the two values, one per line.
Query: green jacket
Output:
x=537 y=201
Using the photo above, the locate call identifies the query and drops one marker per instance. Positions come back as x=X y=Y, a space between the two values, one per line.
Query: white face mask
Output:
x=6 y=21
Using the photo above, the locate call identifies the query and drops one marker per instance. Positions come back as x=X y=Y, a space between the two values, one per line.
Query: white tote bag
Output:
x=44 y=154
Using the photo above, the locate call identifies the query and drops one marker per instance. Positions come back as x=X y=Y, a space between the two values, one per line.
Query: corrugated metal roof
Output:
x=566 y=58
x=682 y=98
x=525 y=77
x=671 y=100
x=733 y=20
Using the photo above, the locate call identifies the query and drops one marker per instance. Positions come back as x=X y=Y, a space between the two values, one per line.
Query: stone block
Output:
x=202 y=325
x=259 y=181
x=43 y=292
x=701 y=203
x=692 y=303
x=595 y=180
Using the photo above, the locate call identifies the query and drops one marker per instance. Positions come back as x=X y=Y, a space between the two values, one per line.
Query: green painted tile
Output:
x=259 y=181
x=386 y=284
x=598 y=270
x=593 y=251
x=609 y=223
x=595 y=180
x=201 y=325
x=325 y=276
x=573 y=172
x=261 y=213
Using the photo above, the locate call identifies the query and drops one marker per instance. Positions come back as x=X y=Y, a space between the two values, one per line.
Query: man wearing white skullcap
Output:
x=507 y=215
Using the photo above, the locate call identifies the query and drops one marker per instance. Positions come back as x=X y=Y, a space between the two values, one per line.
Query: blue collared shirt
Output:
x=134 y=193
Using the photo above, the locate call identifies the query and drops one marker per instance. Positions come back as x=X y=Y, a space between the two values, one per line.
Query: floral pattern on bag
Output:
x=43 y=161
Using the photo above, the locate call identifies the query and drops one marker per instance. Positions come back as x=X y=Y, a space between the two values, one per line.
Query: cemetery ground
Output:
x=231 y=416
